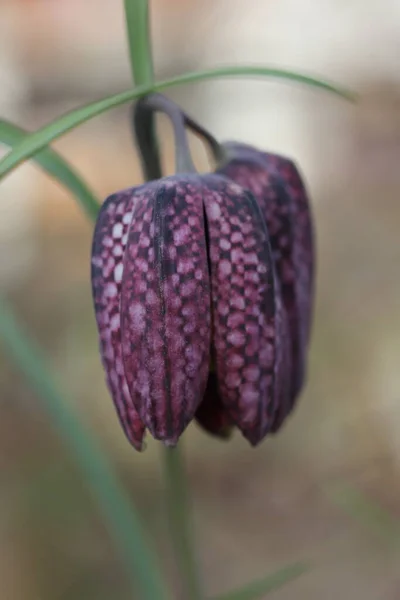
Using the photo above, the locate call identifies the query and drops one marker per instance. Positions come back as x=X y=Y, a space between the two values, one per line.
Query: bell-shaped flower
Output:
x=189 y=309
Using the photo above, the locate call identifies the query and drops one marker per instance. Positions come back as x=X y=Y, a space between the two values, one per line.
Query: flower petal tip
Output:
x=165 y=307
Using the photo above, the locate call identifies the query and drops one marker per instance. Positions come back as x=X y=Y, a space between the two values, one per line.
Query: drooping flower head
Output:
x=183 y=278
x=203 y=289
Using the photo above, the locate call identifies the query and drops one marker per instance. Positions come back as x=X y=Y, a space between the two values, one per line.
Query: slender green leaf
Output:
x=41 y=138
x=122 y=518
x=367 y=512
x=55 y=166
x=138 y=29
x=259 y=589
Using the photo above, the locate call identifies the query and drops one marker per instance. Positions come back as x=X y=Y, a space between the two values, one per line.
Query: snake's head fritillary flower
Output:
x=189 y=309
x=282 y=198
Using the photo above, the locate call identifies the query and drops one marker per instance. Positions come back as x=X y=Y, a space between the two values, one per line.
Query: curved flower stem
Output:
x=180 y=524
x=144 y=134
x=217 y=150
x=143 y=123
x=144 y=126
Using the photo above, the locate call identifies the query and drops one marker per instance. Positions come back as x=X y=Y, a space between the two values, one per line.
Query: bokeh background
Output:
x=254 y=510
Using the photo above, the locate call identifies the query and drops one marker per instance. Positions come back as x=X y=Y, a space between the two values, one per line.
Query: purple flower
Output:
x=281 y=196
x=189 y=309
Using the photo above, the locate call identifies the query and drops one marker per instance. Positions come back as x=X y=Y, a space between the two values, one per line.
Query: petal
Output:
x=284 y=369
x=284 y=168
x=211 y=414
x=108 y=248
x=259 y=171
x=165 y=307
x=304 y=233
x=244 y=306
x=277 y=208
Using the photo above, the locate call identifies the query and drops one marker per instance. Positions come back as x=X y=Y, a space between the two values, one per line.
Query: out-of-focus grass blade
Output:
x=259 y=589
x=367 y=512
x=55 y=166
x=122 y=518
x=41 y=138
x=138 y=29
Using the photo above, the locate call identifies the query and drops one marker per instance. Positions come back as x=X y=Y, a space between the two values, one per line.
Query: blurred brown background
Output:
x=255 y=510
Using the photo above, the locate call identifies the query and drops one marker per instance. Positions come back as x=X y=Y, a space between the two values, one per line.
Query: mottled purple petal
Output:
x=244 y=307
x=277 y=186
x=277 y=209
x=211 y=414
x=304 y=233
x=284 y=367
x=108 y=249
x=287 y=171
x=165 y=307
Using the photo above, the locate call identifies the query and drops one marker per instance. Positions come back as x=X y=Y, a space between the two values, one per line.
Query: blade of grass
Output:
x=137 y=24
x=122 y=518
x=55 y=166
x=41 y=138
x=137 y=20
x=367 y=512
x=259 y=589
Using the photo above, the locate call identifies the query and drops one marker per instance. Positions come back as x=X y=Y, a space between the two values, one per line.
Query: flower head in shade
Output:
x=277 y=186
x=189 y=309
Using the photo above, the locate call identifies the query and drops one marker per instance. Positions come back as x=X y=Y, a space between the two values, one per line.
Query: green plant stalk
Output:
x=138 y=30
x=257 y=590
x=55 y=166
x=367 y=512
x=138 y=27
x=116 y=507
x=44 y=136
x=137 y=19
x=180 y=523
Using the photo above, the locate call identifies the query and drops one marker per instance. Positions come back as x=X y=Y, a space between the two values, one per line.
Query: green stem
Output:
x=180 y=523
x=139 y=39
x=123 y=520
x=137 y=19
